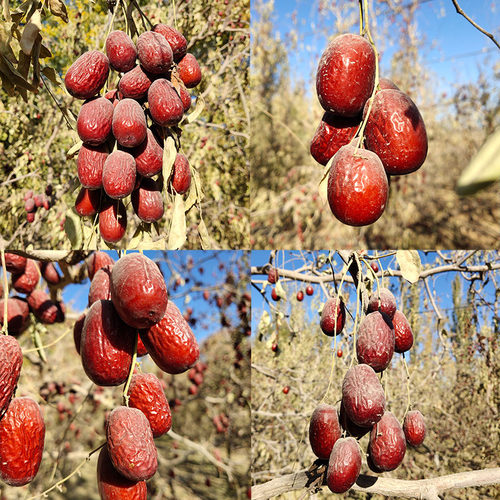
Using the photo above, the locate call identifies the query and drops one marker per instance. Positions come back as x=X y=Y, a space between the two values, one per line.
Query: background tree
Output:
x=451 y=374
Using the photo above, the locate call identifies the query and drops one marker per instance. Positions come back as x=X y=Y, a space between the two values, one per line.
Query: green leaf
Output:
x=410 y=264
x=483 y=169
x=177 y=234
x=37 y=341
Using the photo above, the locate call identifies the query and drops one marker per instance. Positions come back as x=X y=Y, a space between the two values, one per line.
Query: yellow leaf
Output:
x=177 y=233
x=74 y=149
x=483 y=169
x=169 y=154
x=205 y=239
x=193 y=197
x=30 y=34
x=13 y=75
x=44 y=52
x=200 y=105
x=24 y=64
x=323 y=185
x=72 y=228
x=410 y=264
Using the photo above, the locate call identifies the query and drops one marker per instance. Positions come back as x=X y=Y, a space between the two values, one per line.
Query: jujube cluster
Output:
x=26 y=274
x=123 y=131
x=129 y=312
x=196 y=375
x=34 y=201
x=394 y=140
x=333 y=435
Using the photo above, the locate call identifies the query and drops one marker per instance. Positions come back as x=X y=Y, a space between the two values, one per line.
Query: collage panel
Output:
x=422 y=172
x=373 y=370
x=125 y=375
x=174 y=179
x=124 y=124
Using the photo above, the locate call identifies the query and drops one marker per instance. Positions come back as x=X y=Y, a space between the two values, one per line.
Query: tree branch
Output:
x=461 y=12
x=309 y=278
x=422 y=488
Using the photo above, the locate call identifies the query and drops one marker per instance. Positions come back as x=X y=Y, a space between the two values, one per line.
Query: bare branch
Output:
x=461 y=12
x=422 y=488
x=309 y=278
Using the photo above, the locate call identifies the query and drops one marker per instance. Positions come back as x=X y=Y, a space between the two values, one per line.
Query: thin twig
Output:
x=483 y=31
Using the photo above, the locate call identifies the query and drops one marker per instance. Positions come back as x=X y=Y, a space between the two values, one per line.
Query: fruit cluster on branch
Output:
x=333 y=433
x=370 y=131
x=125 y=131
x=130 y=315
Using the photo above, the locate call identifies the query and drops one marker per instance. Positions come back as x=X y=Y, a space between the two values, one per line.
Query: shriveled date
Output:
x=171 y=342
x=11 y=360
x=363 y=396
x=130 y=444
x=22 y=438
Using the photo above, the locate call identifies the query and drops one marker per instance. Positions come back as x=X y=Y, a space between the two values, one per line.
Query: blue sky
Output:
x=440 y=284
x=210 y=277
x=454 y=49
